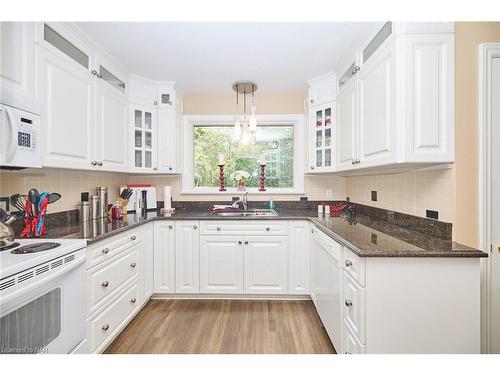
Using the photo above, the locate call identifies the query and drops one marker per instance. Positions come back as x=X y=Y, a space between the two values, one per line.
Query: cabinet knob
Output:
x=105 y=327
x=99 y=75
x=355 y=70
x=348 y=303
x=218 y=228
x=94 y=163
x=99 y=163
x=105 y=284
x=133 y=300
x=133 y=238
x=133 y=265
x=246 y=242
x=94 y=72
x=312 y=101
x=268 y=228
x=155 y=169
x=170 y=226
x=348 y=263
x=347 y=353
x=240 y=242
x=169 y=168
x=195 y=226
x=105 y=251
x=312 y=166
x=155 y=103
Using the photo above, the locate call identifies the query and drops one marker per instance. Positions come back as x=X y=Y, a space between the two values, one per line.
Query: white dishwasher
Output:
x=327 y=284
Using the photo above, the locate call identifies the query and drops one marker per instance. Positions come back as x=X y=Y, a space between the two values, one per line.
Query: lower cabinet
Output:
x=221 y=264
x=147 y=263
x=266 y=265
x=299 y=257
x=164 y=255
x=187 y=257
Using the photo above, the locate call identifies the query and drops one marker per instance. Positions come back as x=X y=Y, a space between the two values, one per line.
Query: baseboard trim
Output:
x=253 y=297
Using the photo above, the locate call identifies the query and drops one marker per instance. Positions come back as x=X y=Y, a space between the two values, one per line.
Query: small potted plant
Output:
x=241 y=177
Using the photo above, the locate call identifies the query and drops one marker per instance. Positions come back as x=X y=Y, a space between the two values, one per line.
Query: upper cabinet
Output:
x=395 y=105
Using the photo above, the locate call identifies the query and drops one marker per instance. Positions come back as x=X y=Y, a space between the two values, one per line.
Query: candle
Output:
x=221 y=159
x=262 y=160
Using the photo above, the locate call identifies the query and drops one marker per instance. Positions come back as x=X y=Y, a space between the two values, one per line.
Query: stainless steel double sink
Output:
x=255 y=212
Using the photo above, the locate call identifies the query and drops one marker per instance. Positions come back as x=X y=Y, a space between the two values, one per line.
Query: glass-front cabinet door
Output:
x=322 y=128
x=144 y=138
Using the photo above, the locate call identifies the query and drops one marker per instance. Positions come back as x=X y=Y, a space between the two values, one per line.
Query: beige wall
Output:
x=468 y=36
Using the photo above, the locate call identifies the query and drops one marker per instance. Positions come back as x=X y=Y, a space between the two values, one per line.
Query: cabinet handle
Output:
x=94 y=72
x=99 y=75
x=155 y=103
x=132 y=265
x=169 y=168
x=246 y=242
x=355 y=70
x=312 y=166
x=105 y=251
x=133 y=300
x=348 y=263
x=268 y=228
x=99 y=163
x=312 y=101
x=170 y=226
x=94 y=163
x=347 y=353
x=105 y=284
x=240 y=242
x=105 y=327
x=195 y=226
x=348 y=303
x=218 y=228
x=133 y=238
x=155 y=169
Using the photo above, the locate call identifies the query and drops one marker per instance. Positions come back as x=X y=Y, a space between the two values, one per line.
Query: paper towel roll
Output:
x=167 y=196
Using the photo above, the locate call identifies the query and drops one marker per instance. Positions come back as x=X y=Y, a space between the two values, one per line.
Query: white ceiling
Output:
x=211 y=56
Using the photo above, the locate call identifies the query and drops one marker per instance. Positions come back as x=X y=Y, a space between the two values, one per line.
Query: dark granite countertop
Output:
x=364 y=235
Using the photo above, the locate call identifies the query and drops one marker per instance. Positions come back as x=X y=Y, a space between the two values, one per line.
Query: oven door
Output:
x=47 y=314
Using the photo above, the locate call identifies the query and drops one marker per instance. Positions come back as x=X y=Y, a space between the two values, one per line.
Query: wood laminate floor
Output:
x=223 y=327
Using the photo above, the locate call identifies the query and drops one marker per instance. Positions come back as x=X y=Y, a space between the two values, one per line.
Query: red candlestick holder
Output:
x=262 y=178
x=222 y=178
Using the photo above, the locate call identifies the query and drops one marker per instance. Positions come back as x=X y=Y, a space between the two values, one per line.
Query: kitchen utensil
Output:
x=102 y=193
x=54 y=197
x=26 y=232
x=19 y=201
x=6 y=232
x=94 y=207
x=33 y=196
x=43 y=201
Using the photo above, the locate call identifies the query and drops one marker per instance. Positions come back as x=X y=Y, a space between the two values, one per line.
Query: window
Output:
x=274 y=141
x=279 y=137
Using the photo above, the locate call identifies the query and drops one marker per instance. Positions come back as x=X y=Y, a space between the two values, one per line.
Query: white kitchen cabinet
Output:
x=147 y=270
x=187 y=257
x=266 y=264
x=143 y=138
x=67 y=93
x=397 y=110
x=164 y=256
x=221 y=264
x=17 y=62
x=111 y=129
x=142 y=92
x=166 y=95
x=167 y=140
x=298 y=257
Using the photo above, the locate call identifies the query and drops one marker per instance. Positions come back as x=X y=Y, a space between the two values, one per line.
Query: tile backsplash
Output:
x=412 y=193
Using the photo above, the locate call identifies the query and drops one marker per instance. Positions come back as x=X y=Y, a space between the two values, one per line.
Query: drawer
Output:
x=353 y=306
x=355 y=266
x=244 y=227
x=105 y=249
x=111 y=275
x=105 y=324
x=351 y=343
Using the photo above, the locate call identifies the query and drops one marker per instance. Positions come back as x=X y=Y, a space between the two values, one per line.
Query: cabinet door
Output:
x=147 y=271
x=429 y=93
x=346 y=125
x=377 y=109
x=144 y=140
x=166 y=140
x=111 y=128
x=299 y=257
x=17 y=61
x=266 y=265
x=221 y=264
x=187 y=257
x=66 y=91
x=164 y=247
x=323 y=135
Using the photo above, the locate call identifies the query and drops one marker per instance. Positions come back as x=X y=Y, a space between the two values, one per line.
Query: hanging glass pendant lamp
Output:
x=245 y=121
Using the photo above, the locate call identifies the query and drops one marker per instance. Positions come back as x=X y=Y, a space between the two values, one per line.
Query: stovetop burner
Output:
x=36 y=247
x=10 y=247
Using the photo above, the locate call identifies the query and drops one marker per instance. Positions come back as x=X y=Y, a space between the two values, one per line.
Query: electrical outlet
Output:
x=329 y=194
x=374 y=195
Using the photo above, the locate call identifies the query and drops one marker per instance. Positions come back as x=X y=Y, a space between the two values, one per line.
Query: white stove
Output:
x=42 y=296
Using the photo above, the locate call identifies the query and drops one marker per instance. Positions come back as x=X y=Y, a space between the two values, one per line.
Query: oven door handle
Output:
x=13 y=143
x=28 y=289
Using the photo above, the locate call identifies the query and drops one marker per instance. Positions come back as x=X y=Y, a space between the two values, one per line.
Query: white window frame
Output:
x=297 y=121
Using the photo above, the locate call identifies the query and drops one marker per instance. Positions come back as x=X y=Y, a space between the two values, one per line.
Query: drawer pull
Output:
x=348 y=303
x=133 y=300
x=105 y=251
x=170 y=226
x=348 y=263
x=246 y=242
x=105 y=327
x=218 y=228
x=133 y=265
x=105 y=284
x=240 y=242
x=133 y=238
x=268 y=228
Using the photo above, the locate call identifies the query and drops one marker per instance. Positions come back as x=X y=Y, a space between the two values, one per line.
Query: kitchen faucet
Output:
x=243 y=201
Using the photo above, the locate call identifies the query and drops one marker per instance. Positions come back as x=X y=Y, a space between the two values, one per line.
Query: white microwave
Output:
x=20 y=139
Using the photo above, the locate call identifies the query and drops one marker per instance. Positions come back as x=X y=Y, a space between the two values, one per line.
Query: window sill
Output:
x=251 y=191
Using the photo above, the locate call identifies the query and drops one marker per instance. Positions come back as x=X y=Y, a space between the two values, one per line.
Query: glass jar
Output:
x=117 y=211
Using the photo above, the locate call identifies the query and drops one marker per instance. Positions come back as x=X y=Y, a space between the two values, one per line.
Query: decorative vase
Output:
x=241 y=186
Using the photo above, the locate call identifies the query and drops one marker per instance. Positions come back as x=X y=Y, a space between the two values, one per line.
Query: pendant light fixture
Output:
x=245 y=119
